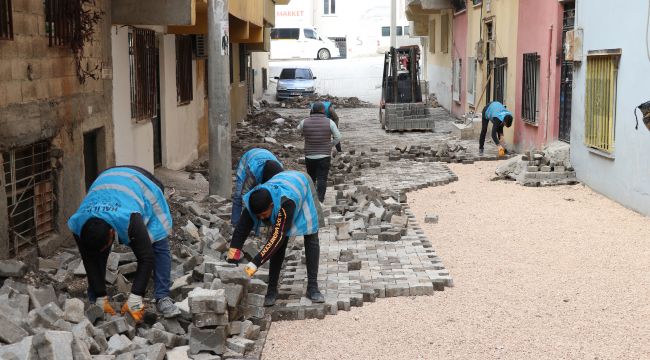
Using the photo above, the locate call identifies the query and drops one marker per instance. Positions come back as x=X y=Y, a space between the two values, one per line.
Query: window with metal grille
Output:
x=476 y=2
x=444 y=33
x=184 y=84
x=242 y=62
x=432 y=36
x=600 y=100
x=62 y=21
x=329 y=7
x=458 y=5
x=6 y=21
x=530 y=88
x=500 y=78
x=457 y=71
x=471 y=79
x=30 y=193
x=143 y=70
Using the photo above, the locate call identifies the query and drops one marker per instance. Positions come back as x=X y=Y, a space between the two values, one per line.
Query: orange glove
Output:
x=250 y=269
x=234 y=256
x=502 y=151
x=105 y=305
x=135 y=307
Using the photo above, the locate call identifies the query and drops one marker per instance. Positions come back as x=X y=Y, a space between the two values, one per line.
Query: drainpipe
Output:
x=548 y=82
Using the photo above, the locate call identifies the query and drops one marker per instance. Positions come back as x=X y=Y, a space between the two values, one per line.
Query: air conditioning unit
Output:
x=480 y=54
x=200 y=46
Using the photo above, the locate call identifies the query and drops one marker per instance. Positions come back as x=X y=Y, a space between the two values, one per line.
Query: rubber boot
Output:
x=312 y=253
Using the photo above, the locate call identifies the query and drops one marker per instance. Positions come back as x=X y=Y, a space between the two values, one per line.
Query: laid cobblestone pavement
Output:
x=375 y=269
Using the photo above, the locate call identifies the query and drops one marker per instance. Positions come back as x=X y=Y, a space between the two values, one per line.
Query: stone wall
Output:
x=42 y=99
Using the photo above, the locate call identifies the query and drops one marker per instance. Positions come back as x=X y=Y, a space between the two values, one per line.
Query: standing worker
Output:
x=126 y=201
x=287 y=202
x=496 y=113
x=331 y=114
x=320 y=135
x=255 y=167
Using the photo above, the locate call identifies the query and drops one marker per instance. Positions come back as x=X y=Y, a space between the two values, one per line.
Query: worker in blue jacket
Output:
x=497 y=114
x=331 y=114
x=289 y=204
x=255 y=167
x=126 y=202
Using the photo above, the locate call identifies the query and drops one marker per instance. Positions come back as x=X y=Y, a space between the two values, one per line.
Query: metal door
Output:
x=566 y=81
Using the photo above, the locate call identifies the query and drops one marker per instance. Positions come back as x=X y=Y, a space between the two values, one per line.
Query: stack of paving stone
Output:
x=446 y=152
x=408 y=116
x=535 y=169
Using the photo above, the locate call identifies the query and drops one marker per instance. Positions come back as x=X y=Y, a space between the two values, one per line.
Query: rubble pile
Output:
x=303 y=102
x=222 y=311
x=445 y=152
x=549 y=167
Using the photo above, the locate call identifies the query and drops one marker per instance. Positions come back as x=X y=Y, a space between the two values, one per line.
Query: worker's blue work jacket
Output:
x=250 y=171
x=327 y=105
x=297 y=187
x=497 y=110
x=115 y=195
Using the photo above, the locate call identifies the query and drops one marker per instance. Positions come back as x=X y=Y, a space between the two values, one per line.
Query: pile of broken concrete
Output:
x=448 y=152
x=222 y=313
x=548 y=167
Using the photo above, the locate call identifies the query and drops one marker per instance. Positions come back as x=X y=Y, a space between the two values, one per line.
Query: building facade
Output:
x=56 y=129
x=607 y=151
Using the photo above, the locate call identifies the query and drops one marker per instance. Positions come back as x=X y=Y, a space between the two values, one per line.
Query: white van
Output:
x=301 y=43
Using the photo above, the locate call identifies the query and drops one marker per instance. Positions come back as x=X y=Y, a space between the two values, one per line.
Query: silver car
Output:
x=295 y=82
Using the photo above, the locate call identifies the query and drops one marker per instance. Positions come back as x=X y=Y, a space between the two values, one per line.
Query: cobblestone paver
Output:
x=375 y=269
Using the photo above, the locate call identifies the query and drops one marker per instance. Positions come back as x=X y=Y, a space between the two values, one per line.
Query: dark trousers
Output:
x=484 y=128
x=312 y=253
x=319 y=169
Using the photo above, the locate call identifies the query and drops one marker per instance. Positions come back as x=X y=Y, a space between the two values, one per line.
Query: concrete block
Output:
x=393 y=290
x=94 y=313
x=11 y=332
x=73 y=310
x=115 y=326
x=128 y=269
x=390 y=236
x=204 y=301
x=41 y=296
x=255 y=300
x=354 y=265
x=559 y=169
x=80 y=350
x=54 y=345
x=431 y=219
x=12 y=268
x=234 y=276
x=240 y=344
x=532 y=168
x=119 y=344
x=545 y=168
x=212 y=340
x=234 y=293
x=170 y=340
x=45 y=316
x=264 y=323
x=359 y=235
x=288 y=313
x=209 y=319
x=234 y=328
x=257 y=286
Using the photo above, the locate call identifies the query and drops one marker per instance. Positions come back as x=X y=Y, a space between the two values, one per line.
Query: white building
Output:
x=363 y=25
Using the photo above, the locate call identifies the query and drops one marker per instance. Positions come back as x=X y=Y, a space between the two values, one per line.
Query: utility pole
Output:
x=219 y=99
x=393 y=23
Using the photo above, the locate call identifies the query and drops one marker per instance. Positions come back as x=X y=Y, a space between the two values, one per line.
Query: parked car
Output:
x=301 y=43
x=295 y=82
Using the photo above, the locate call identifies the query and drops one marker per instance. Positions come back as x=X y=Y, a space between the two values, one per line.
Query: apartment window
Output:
x=6 y=21
x=432 y=36
x=471 y=80
x=407 y=31
x=143 y=69
x=500 y=78
x=530 y=88
x=184 y=93
x=444 y=33
x=329 y=7
x=600 y=100
x=457 y=71
x=385 y=31
x=398 y=31
x=458 y=5
x=60 y=26
x=30 y=193
x=242 y=62
x=476 y=2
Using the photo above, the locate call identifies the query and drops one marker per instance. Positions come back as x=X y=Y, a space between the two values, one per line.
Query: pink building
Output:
x=538 y=80
x=459 y=63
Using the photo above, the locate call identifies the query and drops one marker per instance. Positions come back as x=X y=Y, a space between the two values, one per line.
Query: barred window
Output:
x=444 y=33
x=184 y=92
x=600 y=100
x=471 y=80
x=6 y=21
x=62 y=21
x=530 y=88
x=457 y=78
x=143 y=69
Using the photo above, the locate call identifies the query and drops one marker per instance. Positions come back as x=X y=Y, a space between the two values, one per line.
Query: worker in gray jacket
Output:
x=320 y=134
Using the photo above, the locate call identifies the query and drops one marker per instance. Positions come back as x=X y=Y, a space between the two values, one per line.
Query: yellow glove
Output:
x=103 y=303
x=250 y=269
x=135 y=307
x=502 y=151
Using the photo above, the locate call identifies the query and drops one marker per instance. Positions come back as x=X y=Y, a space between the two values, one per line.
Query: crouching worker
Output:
x=288 y=204
x=497 y=114
x=128 y=202
x=255 y=167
